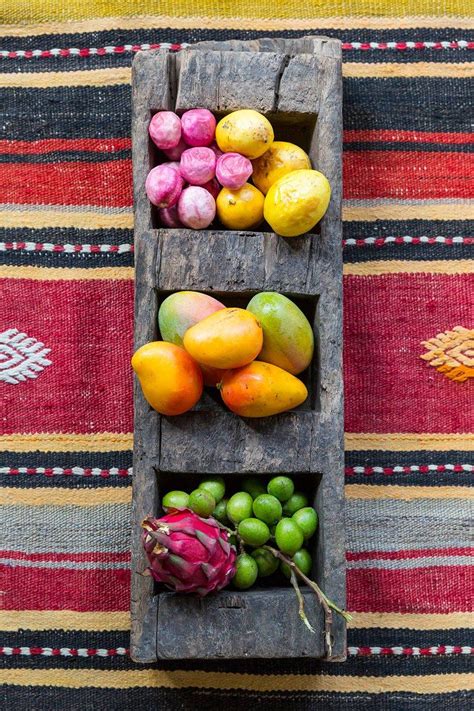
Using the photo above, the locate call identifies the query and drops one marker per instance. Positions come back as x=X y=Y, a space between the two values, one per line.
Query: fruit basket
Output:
x=297 y=84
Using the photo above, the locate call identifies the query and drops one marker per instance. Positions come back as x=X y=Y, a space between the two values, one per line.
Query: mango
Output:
x=184 y=309
x=229 y=338
x=171 y=381
x=261 y=389
x=288 y=339
x=244 y=131
x=281 y=158
x=296 y=202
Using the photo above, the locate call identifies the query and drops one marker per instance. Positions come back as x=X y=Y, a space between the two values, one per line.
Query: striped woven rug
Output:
x=66 y=270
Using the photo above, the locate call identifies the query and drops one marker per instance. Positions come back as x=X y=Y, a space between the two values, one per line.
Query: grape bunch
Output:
x=261 y=516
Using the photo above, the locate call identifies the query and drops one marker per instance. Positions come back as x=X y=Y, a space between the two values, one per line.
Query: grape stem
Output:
x=233 y=532
x=325 y=602
x=295 y=572
x=300 y=597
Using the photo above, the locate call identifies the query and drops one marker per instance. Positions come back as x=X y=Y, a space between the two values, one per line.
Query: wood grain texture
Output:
x=297 y=83
x=238 y=262
x=241 y=625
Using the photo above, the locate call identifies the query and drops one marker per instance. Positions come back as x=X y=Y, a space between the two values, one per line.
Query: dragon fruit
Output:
x=188 y=553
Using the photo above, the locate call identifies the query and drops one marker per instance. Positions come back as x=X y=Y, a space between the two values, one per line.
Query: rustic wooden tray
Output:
x=297 y=84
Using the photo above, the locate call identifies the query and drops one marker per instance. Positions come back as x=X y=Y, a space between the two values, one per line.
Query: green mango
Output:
x=288 y=339
x=183 y=309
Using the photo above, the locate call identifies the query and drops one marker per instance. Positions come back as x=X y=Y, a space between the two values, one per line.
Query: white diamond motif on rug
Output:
x=21 y=357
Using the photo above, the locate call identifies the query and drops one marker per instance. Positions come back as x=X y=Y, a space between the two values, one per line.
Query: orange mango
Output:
x=261 y=389
x=229 y=338
x=171 y=381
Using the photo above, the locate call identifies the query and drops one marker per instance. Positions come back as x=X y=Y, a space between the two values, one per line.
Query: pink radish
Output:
x=169 y=217
x=233 y=170
x=164 y=185
x=175 y=153
x=213 y=187
x=165 y=129
x=198 y=127
x=196 y=207
x=198 y=165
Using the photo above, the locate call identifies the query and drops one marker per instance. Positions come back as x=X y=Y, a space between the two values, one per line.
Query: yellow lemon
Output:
x=296 y=202
x=246 y=132
x=240 y=209
x=281 y=158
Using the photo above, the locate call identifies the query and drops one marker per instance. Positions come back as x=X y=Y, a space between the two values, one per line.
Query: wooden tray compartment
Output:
x=297 y=84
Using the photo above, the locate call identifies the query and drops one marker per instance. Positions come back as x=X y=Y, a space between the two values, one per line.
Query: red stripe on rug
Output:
x=435 y=589
x=395 y=136
x=89 y=557
x=53 y=145
x=404 y=175
x=403 y=555
x=88 y=327
x=48 y=589
x=388 y=387
x=105 y=184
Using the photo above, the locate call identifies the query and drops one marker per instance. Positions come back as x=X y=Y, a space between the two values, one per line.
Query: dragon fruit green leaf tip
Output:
x=188 y=553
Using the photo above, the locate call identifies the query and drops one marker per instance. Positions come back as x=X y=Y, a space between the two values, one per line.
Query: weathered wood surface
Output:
x=144 y=604
x=236 y=262
x=236 y=625
x=295 y=82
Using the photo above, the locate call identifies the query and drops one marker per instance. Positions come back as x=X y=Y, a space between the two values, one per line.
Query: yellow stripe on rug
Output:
x=26 y=216
x=439 y=266
x=405 y=442
x=69 y=620
x=40 y=11
x=15 y=496
x=66 y=273
x=272 y=23
x=112 y=441
x=412 y=621
x=392 y=70
x=408 y=210
x=264 y=683
x=50 y=80
x=369 y=492
x=113 y=76
x=64 y=442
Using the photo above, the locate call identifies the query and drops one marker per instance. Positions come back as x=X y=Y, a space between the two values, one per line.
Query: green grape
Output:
x=281 y=486
x=297 y=501
x=253 y=486
x=215 y=485
x=267 y=563
x=220 y=512
x=246 y=571
x=253 y=531
x=201 y=502
x=289 y=536
x=175 y=500
x=267 y=508
x=307 y=520
x=302 y=559
x=239 y=506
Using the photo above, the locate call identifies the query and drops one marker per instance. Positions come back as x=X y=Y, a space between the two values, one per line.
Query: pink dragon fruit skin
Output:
x=188 y=553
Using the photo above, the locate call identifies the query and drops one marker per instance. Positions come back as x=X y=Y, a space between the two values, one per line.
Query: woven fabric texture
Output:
x=66 y=322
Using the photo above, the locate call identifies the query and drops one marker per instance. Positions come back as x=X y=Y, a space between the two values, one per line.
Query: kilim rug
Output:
x=66 y=338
